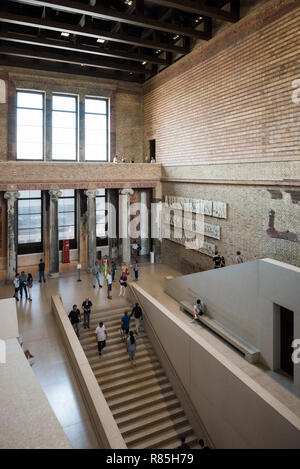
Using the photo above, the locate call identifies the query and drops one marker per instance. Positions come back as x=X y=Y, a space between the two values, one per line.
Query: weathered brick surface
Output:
x=231 y=100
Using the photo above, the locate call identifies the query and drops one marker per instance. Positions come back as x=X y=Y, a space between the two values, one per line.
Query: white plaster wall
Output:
x=236 y=411
x=8 y=319
x=242 y=298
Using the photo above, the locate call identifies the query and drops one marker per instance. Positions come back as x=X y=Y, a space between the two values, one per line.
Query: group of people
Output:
x=219 y=261
x=23 y=284
x=122 y=159
x=185 y=445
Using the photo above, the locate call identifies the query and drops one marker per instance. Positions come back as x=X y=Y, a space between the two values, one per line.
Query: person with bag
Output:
x=138 y=316
x=16 y=283
x=125 y=324
x=123 y=285
x=23 y=286
x=29 y=283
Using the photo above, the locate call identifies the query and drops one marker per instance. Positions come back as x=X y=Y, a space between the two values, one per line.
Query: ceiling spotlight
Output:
x=144 y=63
x=100 y=40
x=176 y=36
x=128 y=2
x=158 y=51
x=64 y=34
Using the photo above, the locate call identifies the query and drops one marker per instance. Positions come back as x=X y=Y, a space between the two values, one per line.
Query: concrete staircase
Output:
x=140 y=397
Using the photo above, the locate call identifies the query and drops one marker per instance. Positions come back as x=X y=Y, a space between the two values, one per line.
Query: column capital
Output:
x=55 y=194
x=126 y=191
x=12 y=195
x=91 y=193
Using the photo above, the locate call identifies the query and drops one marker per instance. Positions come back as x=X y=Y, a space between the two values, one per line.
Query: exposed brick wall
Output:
x=230 y=100
x=129 y=128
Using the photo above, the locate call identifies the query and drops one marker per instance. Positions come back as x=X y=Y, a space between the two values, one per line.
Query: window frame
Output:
x=73 y=242
x=102 y=241
x=31 y=248
x=43 y=93
x=67 y=95
x=107 y=101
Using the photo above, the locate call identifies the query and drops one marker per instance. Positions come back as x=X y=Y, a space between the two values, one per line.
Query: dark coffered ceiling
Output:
x=129 y=40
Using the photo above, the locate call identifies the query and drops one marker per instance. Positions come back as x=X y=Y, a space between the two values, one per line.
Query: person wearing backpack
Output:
x=217 y=260
x=138 y=316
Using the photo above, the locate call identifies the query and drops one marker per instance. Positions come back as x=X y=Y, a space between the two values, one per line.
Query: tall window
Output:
x=30 y=125
x=30 y=222
x=96 y=129
x=64 y=127
x=101 y=226
x=66 y=217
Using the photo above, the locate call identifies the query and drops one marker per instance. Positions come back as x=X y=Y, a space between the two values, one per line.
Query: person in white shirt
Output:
x=109 y=285
x=115 y=160
x=239 y=258
x=16 y=283
x=101 y=335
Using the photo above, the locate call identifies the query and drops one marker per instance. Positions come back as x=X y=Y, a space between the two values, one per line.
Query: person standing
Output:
x=29 y=283
x=96 y=278
x=74 y=317
x=217 y=260
x=86 y=306
x=109 y=285
x=16 y=283
x=239 y=258
x=101 y=336
x=42 y=271
x=113 y=269
x=138 y=316
x=123 y=285
x=131 y=347
x=136 y=270
x=23 y=279
x=125 y=324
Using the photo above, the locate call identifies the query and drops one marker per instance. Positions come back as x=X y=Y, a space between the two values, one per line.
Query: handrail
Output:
x=170 y=365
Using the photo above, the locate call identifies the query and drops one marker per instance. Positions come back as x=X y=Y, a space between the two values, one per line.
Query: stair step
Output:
x=120 y=352
x=150 y=410
x=149 y=421
x=111 y=348
x=98 y=371
x=156 y=429
x=118 y=383
x=138 y=396
x=163 y=439
x=138 y=387
x=106 y=361
x=129 y=373
x=142 y=404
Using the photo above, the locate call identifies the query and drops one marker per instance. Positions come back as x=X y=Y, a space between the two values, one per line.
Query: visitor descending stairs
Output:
x=140 y=397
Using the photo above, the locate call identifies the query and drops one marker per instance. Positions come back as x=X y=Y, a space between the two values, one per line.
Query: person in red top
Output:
x=123 y=285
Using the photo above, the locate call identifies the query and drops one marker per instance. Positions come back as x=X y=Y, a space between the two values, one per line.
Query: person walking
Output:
x=105 y=264
x=16 y=282
x=29 y=283
x=23 y=279
x=42 y=271
x=123 y=285
x=113 y=269
x=101 y=336
x=96 y=277
x=125 y=324
x=131 y=347
x=74 y=317
x=138 y=316
x=136 y=270
x=86 y=306
x=239 y=258
x=109 y=285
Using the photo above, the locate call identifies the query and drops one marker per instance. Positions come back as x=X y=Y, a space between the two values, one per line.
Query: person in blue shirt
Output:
x=125 y=324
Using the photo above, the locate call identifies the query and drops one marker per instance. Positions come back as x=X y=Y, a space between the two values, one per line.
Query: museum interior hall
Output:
x=150 y=224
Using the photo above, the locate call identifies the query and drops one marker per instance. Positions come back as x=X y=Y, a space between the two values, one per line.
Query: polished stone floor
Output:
x=41 y=335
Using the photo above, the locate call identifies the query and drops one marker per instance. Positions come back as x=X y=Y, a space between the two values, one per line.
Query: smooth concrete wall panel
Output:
x=26 y=419
x=242 y=298
x=8 y=319
x=236 y=411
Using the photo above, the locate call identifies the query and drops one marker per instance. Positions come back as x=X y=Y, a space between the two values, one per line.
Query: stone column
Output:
x=112 y=208
x=91 y=226
x=11 y=198
x=144 y=223
x=53 y=235
x=156 y=222
x=124 y=223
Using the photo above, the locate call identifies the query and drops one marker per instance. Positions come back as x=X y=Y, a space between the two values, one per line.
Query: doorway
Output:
x=286 y=339
x=152 y=148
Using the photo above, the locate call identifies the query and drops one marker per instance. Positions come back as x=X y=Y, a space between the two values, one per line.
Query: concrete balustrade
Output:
x=106 y=429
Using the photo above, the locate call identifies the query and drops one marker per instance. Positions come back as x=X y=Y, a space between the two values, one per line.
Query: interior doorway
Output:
x=152 y=147
x=286 y=339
